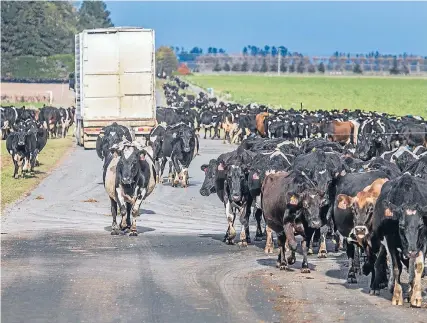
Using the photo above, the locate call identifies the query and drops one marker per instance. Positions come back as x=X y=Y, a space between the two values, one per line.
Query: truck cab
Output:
x=114 y=81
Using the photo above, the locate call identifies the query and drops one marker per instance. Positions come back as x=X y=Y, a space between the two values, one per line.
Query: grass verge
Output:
x=13 y=189
x=393 y=95
x=36 y=105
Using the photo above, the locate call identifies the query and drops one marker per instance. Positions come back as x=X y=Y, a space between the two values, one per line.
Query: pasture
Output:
x=13 y=189
x=400 y=96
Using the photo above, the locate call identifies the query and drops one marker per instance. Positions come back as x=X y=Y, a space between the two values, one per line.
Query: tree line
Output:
x=43 y=29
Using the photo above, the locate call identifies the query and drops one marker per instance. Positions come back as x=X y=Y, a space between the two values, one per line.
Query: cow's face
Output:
x=210 y=171
x=322 y=178
x=364 y=149
x=286 y=126
x=235 y=181
x=157 y=147
x=362 y=206
x=310 y=201
x=186 y=135
x=300 y=128
x=412 y=228
x=129 y=165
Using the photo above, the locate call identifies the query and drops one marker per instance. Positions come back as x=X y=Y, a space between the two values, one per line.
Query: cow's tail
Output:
x=355 y=133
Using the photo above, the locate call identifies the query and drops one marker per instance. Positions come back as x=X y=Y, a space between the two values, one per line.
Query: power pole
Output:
x=278 y=64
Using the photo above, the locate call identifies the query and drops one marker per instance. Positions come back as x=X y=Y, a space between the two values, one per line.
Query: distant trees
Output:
x=321 y=67
x=227 y=67
x=357 y=69
x=166 y=61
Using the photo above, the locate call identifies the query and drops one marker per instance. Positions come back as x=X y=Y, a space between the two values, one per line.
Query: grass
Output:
x=37 y=105
x=13 y=189
x=398 y=96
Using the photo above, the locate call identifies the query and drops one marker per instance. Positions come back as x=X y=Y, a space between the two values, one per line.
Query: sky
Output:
x=311 y=28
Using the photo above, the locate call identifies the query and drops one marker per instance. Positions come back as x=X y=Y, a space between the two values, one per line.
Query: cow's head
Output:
x=412 y=226
x=236 y=177
x=300 y=126
x=286 y=126
x=210 y=171
x=21 y=132
x=128 y=166
x=310 y=203
x=365 y=148
x=186 y=134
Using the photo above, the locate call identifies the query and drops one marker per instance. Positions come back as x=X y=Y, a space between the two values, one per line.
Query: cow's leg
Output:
x=131 y=224
x=162 y=169
x=157 y=168
x=15 y=172
x=379 y=272
x=258 y=215
x=170 y=174
x=269 y=246
x=397 y=298
x=304 y=265
x=140 y=197
x=206 y=130
x=416 y=284
x=351 y=276
x=323 y=252
x=114 y=227
x=281 y=260
x=231 y=232
x=122 y=207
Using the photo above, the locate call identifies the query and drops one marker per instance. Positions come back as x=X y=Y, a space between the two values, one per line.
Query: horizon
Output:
x=391 y=28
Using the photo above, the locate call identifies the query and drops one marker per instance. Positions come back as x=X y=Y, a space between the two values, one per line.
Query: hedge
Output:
x=31 y=69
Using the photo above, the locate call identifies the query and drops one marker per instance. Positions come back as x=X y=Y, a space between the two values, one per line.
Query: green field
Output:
x=398 y=96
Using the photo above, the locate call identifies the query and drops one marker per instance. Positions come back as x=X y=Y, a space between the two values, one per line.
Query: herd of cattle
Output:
x=358 y=178
x=26 y=132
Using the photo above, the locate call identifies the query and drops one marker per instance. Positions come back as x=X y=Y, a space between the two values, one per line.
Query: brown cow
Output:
x=260 y=127
x=343 y=132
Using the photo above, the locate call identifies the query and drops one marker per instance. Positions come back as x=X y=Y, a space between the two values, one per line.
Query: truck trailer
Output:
x=114 y=81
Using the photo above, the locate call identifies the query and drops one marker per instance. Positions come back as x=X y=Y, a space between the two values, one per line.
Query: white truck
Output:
x=114 y=81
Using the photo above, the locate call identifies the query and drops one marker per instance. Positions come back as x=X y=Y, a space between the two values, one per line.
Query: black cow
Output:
x=290 y=202
x=400 y=216
x=110 y=135
x=418 y=167
x=50 y=117
x=179 y=145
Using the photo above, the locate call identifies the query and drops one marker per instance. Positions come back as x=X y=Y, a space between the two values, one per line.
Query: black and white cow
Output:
x=129 y=177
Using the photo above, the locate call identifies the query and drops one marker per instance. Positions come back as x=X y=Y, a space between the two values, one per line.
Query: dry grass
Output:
x=13 y=189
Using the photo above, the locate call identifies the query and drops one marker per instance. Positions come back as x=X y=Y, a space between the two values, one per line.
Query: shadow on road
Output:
x=138 y=228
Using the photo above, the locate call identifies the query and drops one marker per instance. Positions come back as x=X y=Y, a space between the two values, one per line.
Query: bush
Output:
x=321 y=67
x=226 y=67
x=357 y=69
x=31 y=69
x=255 y=68
x=236 y=67
x=217 y=67
x=183 y=69
x=264 y=67
x=311 y=68
x=244 y=67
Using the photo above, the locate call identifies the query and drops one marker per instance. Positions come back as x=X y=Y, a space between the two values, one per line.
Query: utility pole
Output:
x=278 y=64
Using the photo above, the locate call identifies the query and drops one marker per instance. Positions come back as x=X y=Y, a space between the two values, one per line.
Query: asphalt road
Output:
x=60 y=263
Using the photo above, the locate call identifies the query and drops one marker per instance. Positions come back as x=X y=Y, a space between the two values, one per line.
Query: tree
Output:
x=357 y=69
x=321 y=67
x=292 y=68
x=405 y=69
x=283 y=67
x=311 y=68
x=274 y=51
x=264 y=67
x=395 y=69
x=94 y=14
x=301 y=67
x=244 y=67
x=273 y=67
x=226 y=67
x=166 y=60
x=255 y=68
x=217 y=67
x=235 y=67
x=245 y=51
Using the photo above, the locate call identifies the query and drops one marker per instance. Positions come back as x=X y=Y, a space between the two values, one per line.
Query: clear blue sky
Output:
x=312 y=28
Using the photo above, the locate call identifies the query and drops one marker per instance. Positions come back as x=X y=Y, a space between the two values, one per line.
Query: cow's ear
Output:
x=344 y=201
x=204 y=167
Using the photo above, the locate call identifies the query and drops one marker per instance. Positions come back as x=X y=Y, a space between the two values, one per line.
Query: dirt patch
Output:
x=32 y=92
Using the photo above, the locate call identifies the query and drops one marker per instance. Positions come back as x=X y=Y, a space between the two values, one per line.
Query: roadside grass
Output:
x=397 y=96
x=36 y=105
x=13 y=189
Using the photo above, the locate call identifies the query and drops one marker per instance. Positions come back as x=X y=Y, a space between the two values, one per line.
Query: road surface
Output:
x=60 y=263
